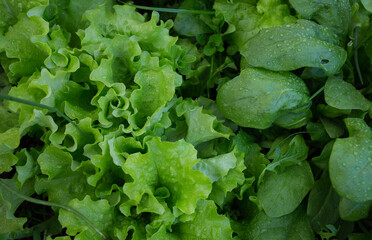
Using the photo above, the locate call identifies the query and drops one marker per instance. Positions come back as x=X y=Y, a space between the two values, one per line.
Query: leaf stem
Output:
x=356 y=58
x=35 y=104
x=171 y=10
x=52 y=204
x=317 y=93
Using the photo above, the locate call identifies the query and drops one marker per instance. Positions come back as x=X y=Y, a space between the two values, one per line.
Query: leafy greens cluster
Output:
x=216 y=119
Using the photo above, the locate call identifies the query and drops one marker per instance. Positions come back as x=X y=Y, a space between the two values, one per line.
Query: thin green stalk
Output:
x=172 y=10
x=356 y=58
x=35 y=104
x=52 y=204
x=317 y=93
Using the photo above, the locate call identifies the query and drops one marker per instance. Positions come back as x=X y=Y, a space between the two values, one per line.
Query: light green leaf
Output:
x=10 y=10
x=245 y=99
x=281 y=193
x=7 y=160
x=342 y=95
x=9 y=203
x=27 y=166
x=166 y=165
x=202 y=126
x=157 y=87
x=207 y=224
x=24 y=47
x=290 y=47
x=100 y=213
x=350 y=164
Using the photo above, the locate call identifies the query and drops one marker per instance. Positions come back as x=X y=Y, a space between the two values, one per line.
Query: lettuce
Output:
x=217 y=119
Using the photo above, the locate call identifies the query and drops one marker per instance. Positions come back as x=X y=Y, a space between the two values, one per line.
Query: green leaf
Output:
x=192 y=24
x=322 y=161
x=23 y=44
x=99 y=212
x=242 y=18
x=7 y=160
x=293 y=226
x=202 y=126
x=281 y=193
x=166 y=165
x=333 y=14
x=350 y=164
x=225 y=172
x=9 y=203
x=62 y=184
x=125 y=20
x=27 y=166
x=256 y=109
x=334 y=128
x=322 y=206
x=354 y=211
x=290 y=47
x=11 y=9
x=207 y=224
x=68 y=13
x=157 y=87
x=367 y=4
x=342 y=95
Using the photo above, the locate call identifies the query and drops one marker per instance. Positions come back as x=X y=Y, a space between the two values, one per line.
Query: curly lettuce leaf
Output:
x=25 y=47
x=12 y=9
x=167 y=165
x=99 y=212
x=207 y=224
x=202 y=126
x=157 y=87
x=225 y=172
x=124 y=20
x=9 y=203
x=62 y=184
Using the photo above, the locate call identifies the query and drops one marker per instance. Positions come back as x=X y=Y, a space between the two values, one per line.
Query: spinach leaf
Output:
x=293 y=226
x=333 y=14
x=354 y=211
x=293 y=46
x=257 y=98
x=342 y=95
x=281 y=193
x=322 y=207
x=350 y=164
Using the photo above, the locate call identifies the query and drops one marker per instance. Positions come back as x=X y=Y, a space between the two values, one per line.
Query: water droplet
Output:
x=344 y=164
